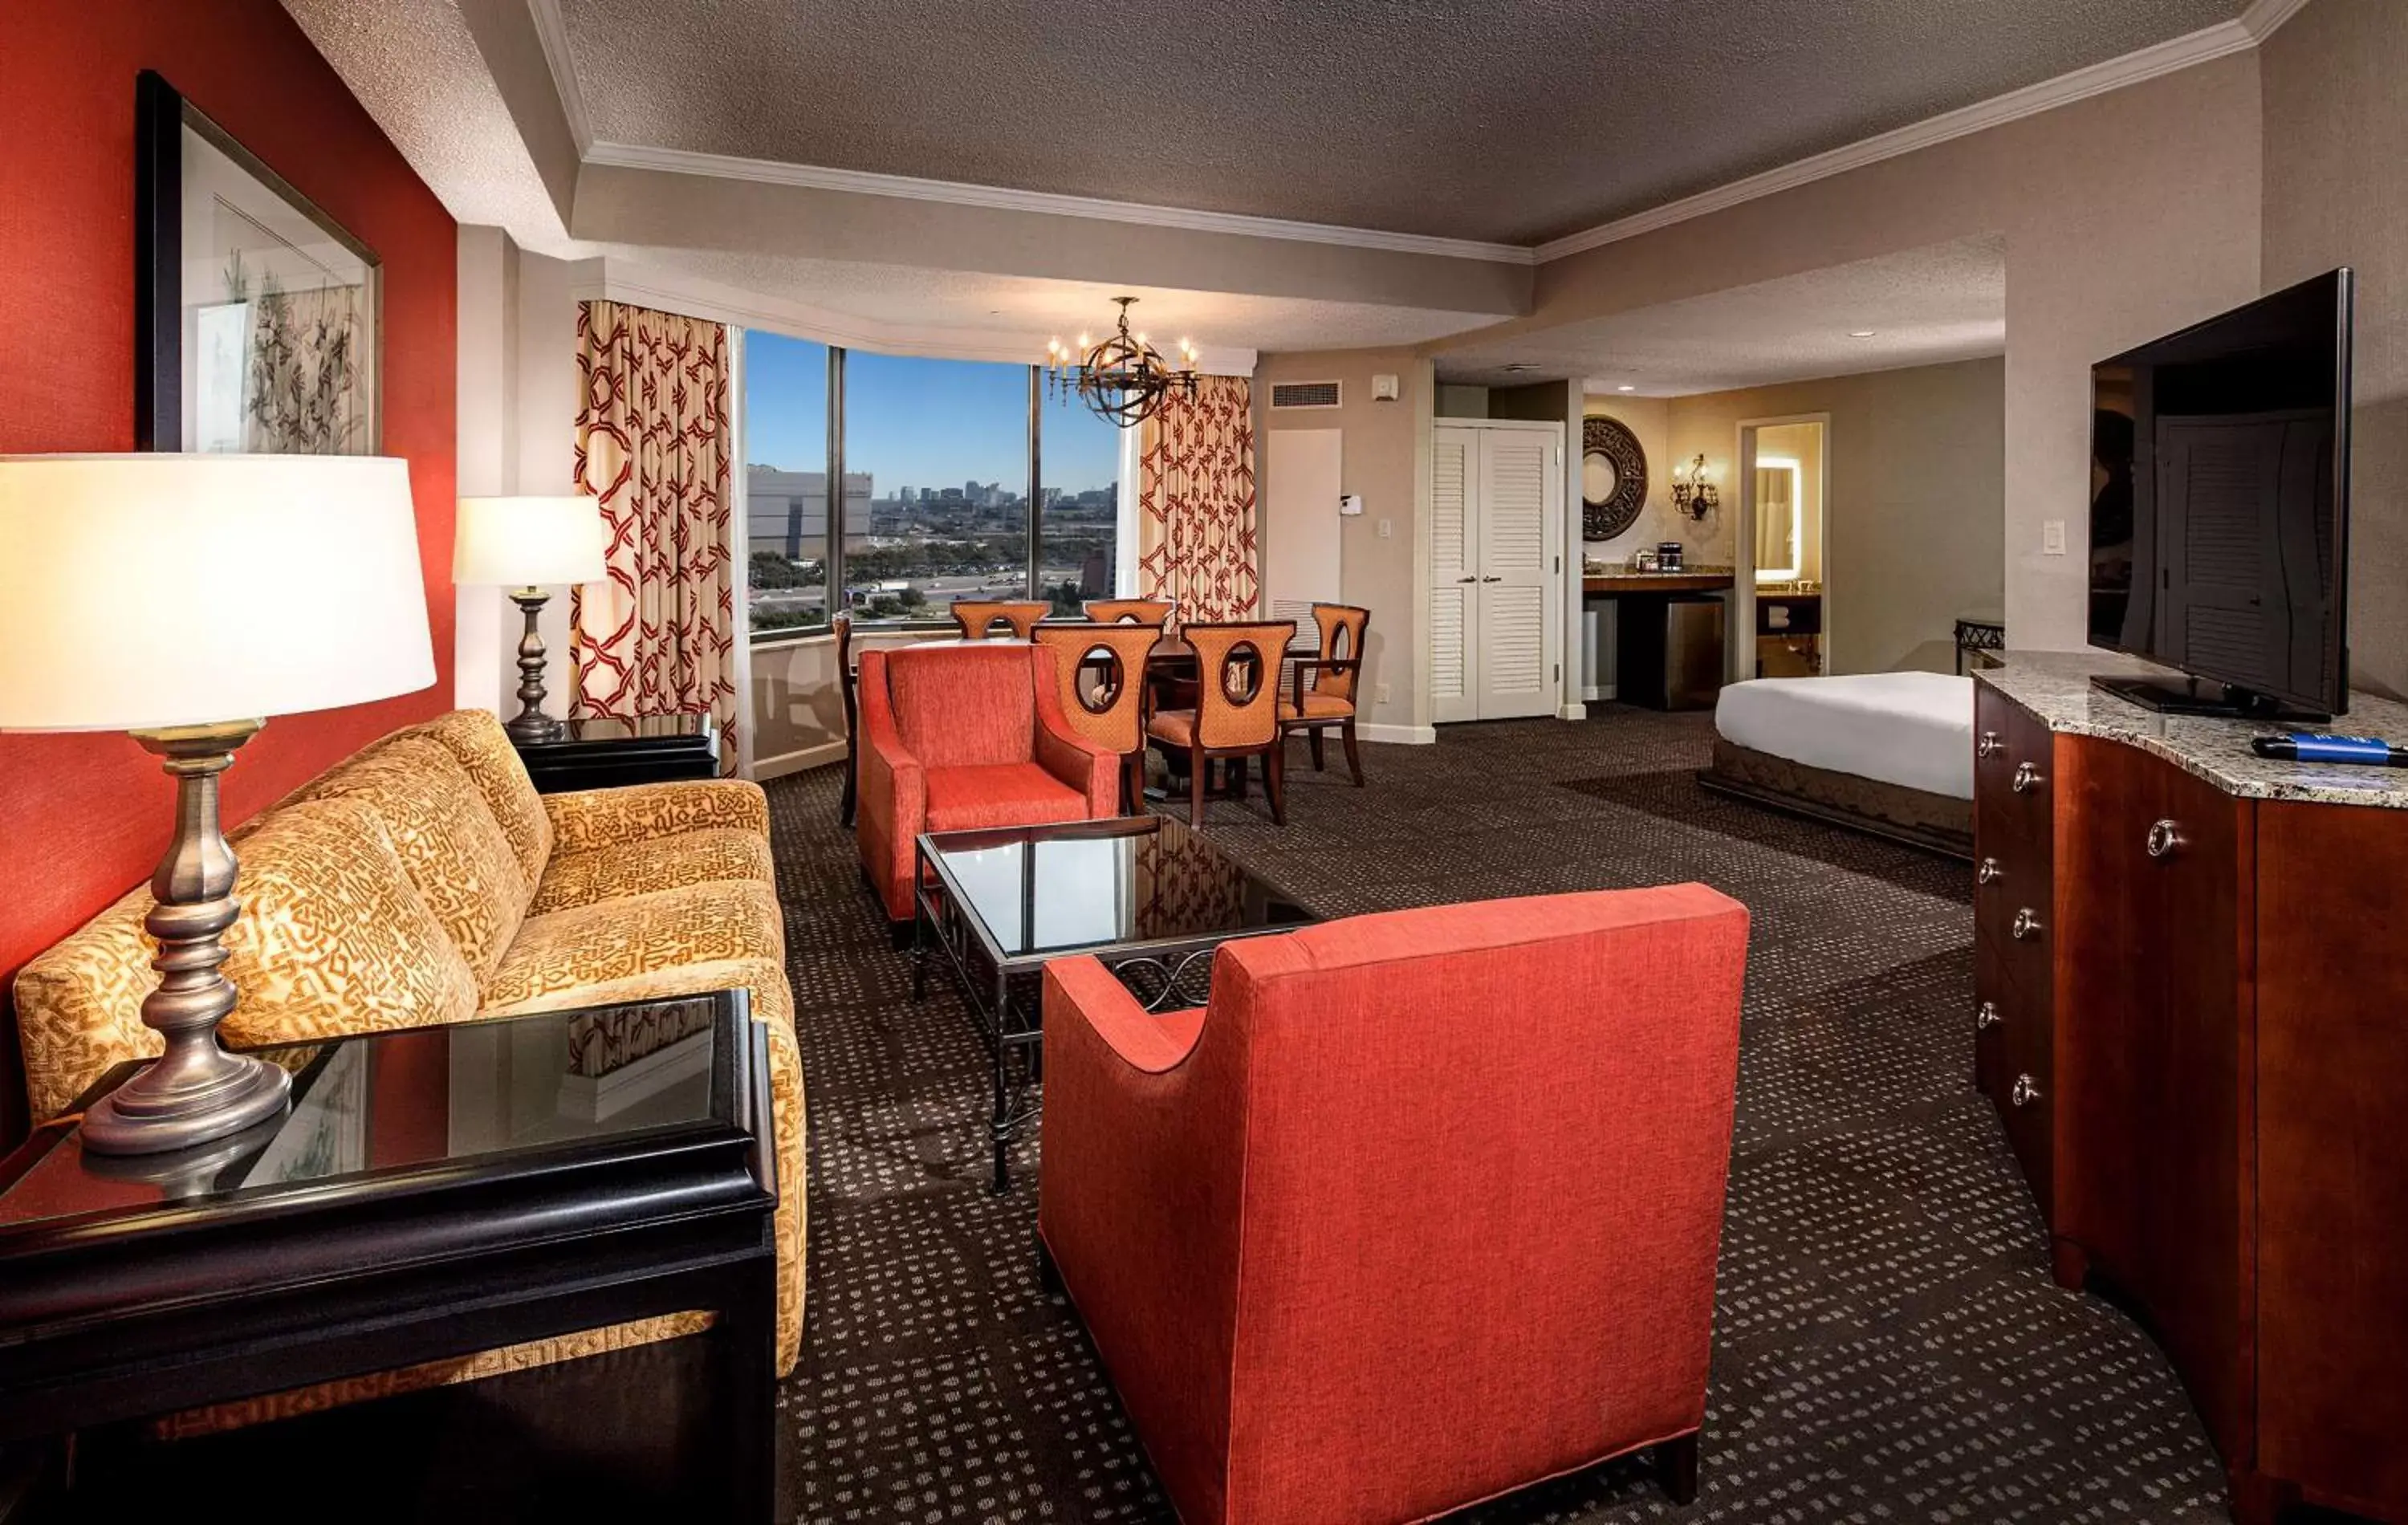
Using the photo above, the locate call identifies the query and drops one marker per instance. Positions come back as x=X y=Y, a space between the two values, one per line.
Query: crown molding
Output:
x=2189 y=51
x=1051 y=204
x=552 y=35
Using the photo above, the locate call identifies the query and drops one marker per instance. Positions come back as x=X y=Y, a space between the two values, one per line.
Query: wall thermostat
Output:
x=1384 y=389
x=1350 y=504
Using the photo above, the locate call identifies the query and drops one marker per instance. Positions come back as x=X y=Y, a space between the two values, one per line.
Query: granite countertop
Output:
x=2055 y=687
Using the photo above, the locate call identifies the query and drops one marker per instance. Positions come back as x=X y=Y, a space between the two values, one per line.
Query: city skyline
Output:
x=916 y=421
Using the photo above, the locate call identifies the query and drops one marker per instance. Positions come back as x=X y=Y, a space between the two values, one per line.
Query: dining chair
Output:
x=1237 y=709
x=977 y=617
x=1327 y=699
x=1156 y=612
x=1102 y=673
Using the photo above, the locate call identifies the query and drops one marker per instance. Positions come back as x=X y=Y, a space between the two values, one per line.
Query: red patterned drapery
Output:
x=1195 y=502
x=658 y=637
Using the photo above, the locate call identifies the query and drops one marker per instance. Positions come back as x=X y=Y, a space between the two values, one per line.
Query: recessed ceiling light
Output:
x=1626 y=389
x=1860 y=333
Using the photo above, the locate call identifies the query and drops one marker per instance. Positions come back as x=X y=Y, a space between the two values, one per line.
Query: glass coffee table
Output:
x=1144 y=893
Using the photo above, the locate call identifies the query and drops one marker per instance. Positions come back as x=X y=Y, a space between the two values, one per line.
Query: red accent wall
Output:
x=84 y=818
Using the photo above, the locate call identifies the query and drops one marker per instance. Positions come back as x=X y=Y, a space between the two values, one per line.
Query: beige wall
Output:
x=1650 y=419
x=2125 y=216
x=2336 y=138
x=1917 y=474
x=1384 y=456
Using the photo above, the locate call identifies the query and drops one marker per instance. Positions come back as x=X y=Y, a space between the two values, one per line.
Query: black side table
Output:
x=429 y=1194
x=605 y=754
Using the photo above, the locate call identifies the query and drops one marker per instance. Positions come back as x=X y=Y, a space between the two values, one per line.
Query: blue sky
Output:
x=915 y=423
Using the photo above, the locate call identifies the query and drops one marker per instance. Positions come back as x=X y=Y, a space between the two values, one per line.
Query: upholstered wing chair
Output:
x=956 y=738
x=1422 y=1208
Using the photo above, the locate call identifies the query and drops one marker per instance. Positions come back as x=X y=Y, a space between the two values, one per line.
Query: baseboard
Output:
x=766 y=768
x=1573 y=711
x=1420 y=735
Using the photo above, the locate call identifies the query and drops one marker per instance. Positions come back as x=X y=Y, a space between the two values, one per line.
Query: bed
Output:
x=1887 y=753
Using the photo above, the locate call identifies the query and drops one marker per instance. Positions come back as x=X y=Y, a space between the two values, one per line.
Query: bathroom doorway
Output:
x=1782 y=545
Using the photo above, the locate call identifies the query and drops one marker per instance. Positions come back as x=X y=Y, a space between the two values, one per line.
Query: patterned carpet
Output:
x=1887 y=1348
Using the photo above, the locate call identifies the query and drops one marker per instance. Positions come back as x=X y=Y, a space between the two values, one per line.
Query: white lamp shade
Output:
x=140 y=592
x=525 y=542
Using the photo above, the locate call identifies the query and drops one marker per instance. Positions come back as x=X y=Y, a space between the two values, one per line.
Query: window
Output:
x=937 y=481
x=785 y=482
x=940 y=447
x=1078 y=512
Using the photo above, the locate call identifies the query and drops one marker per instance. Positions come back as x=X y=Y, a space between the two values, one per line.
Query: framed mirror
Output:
x=1613 y=478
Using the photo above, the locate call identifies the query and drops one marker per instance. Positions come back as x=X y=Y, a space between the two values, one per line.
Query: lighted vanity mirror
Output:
x=1780 y=518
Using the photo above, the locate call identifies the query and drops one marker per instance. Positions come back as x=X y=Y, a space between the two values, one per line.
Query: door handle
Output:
x=1467 y=579
x=1492 y=580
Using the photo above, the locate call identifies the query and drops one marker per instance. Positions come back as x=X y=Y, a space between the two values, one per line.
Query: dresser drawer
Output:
x=2015 y=1063
x=2013 y=767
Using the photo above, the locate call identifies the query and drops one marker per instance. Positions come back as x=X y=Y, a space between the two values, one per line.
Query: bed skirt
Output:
x=1936 y=822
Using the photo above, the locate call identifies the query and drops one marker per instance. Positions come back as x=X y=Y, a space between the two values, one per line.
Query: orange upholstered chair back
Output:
x=960 y=706
x=1151 y=611
x=977 y=618
x=1236 y=689
x=1342 y=629
x=1104 y=703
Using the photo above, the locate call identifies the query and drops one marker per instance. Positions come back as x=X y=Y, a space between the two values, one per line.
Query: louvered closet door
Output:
x=1517 y=629
x=1455 y=579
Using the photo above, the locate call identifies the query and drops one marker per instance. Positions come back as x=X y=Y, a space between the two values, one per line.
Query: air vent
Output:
x=1304 y=395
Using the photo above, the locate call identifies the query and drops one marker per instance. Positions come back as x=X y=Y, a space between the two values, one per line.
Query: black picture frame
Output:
x=162 y=115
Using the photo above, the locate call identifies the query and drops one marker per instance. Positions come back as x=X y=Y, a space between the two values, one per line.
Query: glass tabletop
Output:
x=477 y=1091
x=641 y=728
x=1039 y=891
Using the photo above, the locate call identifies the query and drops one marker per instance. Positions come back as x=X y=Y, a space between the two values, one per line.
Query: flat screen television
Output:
x=2219 y=508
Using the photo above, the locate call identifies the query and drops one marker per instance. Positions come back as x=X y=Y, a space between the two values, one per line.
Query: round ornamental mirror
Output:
x=1241 y=674
x=1613 y=478
x=1099 y=679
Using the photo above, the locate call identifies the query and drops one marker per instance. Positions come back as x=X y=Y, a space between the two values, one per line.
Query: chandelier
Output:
x=1123 y=379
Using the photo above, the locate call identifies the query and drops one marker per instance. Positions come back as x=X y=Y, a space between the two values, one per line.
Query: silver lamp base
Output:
x=531 y=725
x=196 y=1091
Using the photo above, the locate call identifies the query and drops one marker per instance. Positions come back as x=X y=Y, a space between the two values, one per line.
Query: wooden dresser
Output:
x=2192 y=1017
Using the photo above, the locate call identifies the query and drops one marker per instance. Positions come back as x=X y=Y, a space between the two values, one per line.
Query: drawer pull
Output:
x=2027 y=778
x=2024 y=924
x=2164 y=838
x=1985 y=1017
x=2026 y=1091
x=1988 y=872
x=1988 y=746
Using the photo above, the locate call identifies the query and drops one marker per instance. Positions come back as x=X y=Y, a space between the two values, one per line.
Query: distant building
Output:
x=787 y=512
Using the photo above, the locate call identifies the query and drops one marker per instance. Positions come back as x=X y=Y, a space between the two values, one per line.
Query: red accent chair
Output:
x=956 y=738
x=1421 y=1209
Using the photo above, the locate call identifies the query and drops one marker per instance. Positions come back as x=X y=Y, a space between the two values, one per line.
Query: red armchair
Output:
x=1423 y=1208
x=955 y=738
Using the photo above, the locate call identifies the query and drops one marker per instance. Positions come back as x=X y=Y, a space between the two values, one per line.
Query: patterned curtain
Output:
x=1195 y=502
x=658 y=638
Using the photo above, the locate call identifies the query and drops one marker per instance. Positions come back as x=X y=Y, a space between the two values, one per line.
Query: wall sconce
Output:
x=1694 y=497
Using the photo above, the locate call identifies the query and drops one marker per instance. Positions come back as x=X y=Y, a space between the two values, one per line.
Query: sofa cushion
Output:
x=591 y=818
x=335 y=936
x=964 y=705
x=1002 y=793
x=671 y=862
x=448 y=839
x=482 y=748
x=603 y=952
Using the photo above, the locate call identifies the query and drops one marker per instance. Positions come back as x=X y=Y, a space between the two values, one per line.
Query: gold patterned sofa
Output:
x=424 y=881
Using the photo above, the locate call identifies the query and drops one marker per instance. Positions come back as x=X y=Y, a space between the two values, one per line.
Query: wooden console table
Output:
x=2189 y=1015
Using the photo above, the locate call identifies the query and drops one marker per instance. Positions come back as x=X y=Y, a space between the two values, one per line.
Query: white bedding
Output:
x=1909 y=728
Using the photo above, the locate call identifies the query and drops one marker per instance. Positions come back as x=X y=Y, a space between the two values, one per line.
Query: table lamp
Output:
x=518 y=543
x=185 y=598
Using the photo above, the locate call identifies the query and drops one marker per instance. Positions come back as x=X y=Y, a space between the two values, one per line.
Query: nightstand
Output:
x=605 y=754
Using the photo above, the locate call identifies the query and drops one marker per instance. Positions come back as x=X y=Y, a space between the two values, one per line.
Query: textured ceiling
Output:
x=1514 y=121
x=1922 y=306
